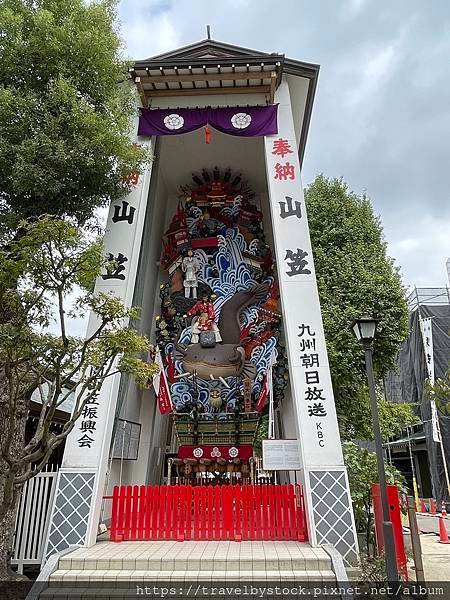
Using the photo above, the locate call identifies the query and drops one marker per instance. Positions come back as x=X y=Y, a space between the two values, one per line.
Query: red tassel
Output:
x=207 y=135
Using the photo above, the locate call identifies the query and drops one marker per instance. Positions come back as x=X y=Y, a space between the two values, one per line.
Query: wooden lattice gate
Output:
x=247 y=512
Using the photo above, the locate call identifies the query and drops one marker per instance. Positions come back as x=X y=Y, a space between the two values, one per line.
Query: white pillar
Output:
x=81 y=479
x=324 y=475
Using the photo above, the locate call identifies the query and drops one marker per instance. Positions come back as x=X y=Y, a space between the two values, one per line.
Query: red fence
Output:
x=247 y=512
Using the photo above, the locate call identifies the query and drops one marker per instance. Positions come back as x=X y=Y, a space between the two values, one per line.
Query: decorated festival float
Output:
x=218 y=331
x=212 y=243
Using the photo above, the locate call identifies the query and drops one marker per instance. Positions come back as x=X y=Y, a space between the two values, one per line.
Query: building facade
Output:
x=423 y=358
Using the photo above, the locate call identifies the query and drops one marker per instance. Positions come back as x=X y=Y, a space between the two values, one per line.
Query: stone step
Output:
x=125 y=584
x=259 y=563
x=121 y=568
x=116 y=577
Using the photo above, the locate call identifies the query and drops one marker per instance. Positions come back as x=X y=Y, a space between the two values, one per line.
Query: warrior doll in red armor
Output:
x=205 y=319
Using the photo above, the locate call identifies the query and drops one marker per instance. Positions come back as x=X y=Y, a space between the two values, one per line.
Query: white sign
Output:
x=426 y=327
x=90 y=438
x=281 y=455
x=308 y=361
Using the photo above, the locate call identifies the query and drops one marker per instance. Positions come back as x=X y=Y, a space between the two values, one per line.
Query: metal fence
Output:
x=33 y=519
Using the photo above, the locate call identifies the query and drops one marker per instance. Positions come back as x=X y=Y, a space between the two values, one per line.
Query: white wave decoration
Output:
x=261 y=357
x=253 y=246
x=233 y=273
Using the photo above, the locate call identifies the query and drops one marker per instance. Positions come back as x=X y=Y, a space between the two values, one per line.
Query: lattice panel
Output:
x=332 y=514
x=71 y=511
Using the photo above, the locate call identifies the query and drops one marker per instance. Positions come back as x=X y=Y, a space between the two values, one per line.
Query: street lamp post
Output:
x=364 y=330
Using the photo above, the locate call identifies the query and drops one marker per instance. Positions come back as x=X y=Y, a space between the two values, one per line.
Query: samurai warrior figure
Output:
x=190 y=267
x=204 y=320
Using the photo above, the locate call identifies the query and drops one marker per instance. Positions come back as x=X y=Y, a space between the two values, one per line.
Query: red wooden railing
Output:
x=247 y=512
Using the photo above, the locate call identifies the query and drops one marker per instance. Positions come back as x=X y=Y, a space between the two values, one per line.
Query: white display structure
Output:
x=324 y=475
x=81 y=479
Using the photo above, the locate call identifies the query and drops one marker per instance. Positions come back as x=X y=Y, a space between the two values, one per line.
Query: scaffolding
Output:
x=428 y=296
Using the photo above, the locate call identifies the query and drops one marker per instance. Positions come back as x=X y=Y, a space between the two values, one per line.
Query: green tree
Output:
x=394 y=418
x=440 y=393
x=38 y=354
x=355 y=277
x=362 y=472
x=65 y=109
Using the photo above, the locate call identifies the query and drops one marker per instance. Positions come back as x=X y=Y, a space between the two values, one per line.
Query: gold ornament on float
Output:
x=215 y=398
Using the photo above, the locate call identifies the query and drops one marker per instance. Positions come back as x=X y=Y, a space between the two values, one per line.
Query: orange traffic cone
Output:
x=423 y=508
x=433 y=506
x=444 y=509
x=443 y=535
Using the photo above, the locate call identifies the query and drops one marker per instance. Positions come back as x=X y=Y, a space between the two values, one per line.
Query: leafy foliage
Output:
x=262 y=433
x=394 y=418
x=37 y=353
x=362 y=472
x=440 y=393
x=355 y=277
x=65 y=109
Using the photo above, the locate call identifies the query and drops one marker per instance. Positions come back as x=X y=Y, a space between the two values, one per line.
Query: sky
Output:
x=381 y=117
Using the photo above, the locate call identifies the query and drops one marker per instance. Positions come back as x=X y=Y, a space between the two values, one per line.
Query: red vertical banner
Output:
x=263 y=396
x=161 y=386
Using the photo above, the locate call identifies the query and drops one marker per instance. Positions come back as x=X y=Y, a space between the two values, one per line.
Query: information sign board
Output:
x=281 y=455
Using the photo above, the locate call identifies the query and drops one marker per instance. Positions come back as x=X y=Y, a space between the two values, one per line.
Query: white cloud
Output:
x=374 y=73
x=147 y=37
x=421 y=247
x=381 y=110
x=353 y=8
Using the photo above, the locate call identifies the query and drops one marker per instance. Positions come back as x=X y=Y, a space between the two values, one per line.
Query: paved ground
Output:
x=430 y=523
x=436 y=558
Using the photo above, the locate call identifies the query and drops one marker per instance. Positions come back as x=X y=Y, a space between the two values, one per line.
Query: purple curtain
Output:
x=245 y=121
